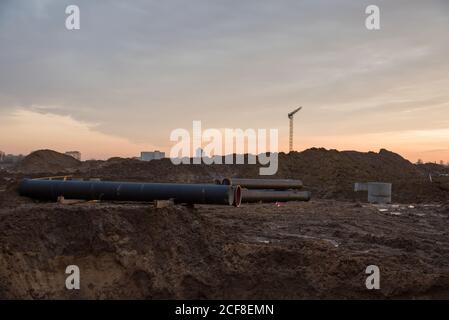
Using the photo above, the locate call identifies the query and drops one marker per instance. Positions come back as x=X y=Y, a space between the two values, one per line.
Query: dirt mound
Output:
x=164 y=171
x=329 y=174
x=47 y=161
x=433 y=169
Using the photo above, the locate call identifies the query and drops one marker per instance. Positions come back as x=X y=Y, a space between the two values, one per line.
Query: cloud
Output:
x=140 y=69
x=25 y=131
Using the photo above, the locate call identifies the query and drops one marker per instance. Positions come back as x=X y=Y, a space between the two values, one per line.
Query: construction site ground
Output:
x=317 y=249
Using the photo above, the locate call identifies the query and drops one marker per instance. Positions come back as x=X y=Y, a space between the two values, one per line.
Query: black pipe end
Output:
x=237 y=196
x=21 y=188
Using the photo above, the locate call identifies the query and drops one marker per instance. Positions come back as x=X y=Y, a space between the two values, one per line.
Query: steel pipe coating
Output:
x=249 y=195
x=131 y=191
x=278 y=184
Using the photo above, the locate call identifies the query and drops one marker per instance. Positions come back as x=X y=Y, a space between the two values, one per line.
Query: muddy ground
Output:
x=317 y=249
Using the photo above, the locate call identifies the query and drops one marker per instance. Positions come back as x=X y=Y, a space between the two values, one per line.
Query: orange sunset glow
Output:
x=132 y=74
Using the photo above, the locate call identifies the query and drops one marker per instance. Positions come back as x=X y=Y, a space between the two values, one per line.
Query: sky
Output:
x=136 y=70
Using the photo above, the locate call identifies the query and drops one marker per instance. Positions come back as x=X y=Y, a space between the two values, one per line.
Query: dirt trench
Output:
x=133 y=251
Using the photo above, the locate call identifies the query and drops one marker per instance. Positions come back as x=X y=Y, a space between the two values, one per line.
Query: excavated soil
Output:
x=319 y=249
x=329 y=174
x=47 y=161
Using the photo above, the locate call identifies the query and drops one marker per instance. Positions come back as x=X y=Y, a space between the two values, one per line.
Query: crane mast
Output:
x=290 y=117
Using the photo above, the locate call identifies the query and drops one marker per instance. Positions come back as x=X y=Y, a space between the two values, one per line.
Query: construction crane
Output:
x=290 y=116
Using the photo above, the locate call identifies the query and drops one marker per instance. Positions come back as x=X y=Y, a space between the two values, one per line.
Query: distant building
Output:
x=74 y=154
x=151 y=155
x=2 y=156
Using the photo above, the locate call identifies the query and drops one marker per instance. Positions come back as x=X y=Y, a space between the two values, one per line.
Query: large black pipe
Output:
x=279 y=184
x=131 y=191
x=249 y=195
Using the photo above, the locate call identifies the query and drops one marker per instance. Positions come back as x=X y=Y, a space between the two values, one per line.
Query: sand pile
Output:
x=47 y=161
